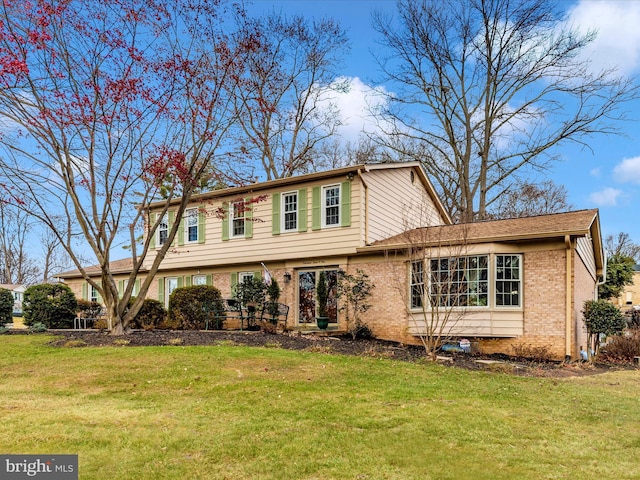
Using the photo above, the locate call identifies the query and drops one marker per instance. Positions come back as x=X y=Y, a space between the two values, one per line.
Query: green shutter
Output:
x=161 y=290
x=187 y=281
x=202 y=224
x=302 y=210
x=180 y=282
x=225 y=221
x=316 y=206
x=152 y=242
x=345 y=204
x=180 y=233
x=120 y=288
x=209 y=279
x=172 y=218
x=248 y=219
x=275 y=214
x=257 y=274
x=234 y=282
x=98 y=293
x=85 y=290
x=137 y=287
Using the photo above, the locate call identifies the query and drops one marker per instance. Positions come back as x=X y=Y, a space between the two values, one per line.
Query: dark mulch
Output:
x=343 y=345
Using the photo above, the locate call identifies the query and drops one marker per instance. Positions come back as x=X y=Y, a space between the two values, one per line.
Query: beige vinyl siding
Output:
x=264 y=246
x=486 y=323
x=584 y=248
x=395 y=204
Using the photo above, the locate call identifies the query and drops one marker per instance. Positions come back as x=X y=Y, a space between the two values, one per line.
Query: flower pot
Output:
x=323 y=322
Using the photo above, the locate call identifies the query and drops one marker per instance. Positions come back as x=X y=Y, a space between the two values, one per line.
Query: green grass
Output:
x=229 y=412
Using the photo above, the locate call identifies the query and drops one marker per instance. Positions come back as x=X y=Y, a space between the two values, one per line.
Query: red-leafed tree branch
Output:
x=107 y=107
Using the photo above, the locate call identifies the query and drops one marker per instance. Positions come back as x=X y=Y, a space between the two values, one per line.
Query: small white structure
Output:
x=18 y=295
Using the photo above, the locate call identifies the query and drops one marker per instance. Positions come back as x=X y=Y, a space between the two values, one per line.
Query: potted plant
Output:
x=322 y=296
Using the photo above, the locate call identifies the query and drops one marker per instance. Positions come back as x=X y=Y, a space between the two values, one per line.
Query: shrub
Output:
x=52 y=304
x=150 y=316
x=6 y=306
x=601 y=318
x=530 y=352
x=191 y=307
x=38 y=327
x=621 y=348
x=3 y=329
x=88 y=309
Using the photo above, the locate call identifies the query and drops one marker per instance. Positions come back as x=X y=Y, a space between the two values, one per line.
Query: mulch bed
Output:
x=343 y=345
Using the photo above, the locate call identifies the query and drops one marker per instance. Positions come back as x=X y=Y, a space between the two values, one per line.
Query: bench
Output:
x=232 y=309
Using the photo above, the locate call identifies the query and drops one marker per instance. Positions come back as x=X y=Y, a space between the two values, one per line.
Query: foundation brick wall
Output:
x=544 y=303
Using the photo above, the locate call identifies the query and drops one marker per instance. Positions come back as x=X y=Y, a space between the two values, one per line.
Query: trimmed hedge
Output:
x=150 y=316
x=191 y=307
x=52 y=304
x=6 y=306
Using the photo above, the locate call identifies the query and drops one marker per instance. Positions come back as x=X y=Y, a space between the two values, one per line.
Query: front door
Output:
x=307 y=307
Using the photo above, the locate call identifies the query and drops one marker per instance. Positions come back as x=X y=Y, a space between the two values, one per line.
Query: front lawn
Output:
x=231 y=412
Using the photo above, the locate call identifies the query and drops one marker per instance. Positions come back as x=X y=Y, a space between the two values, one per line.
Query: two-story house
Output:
x=516 y=281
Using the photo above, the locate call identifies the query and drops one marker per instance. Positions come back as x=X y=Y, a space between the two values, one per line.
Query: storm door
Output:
x=307 y=307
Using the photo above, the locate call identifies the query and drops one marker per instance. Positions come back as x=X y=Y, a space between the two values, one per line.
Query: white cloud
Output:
x=618 y=41
x=595 y=172
x=628 y=170
x=355 y=105
x=605 y=198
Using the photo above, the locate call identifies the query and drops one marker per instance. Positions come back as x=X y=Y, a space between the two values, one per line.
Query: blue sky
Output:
x=606 y=175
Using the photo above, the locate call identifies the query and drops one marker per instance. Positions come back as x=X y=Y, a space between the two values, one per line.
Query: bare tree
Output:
x=18 y=264
x=444 y=281
x=487 y=89
x=285 y=96
x=107 y=107
x=55 y=259
x=622 y=245
x=528 y=199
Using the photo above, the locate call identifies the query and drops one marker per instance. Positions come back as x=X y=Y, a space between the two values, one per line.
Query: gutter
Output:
x=366 y=207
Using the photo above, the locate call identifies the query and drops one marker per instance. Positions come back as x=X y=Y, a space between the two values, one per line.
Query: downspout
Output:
x=568 y=294
x=604 y=278
x=366 y=207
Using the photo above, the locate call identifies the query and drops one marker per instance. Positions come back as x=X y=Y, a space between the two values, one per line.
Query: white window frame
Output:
x=243 y=275
x=168 y=290
x=93 y=294
x=283 y=222
x=199 y=280
x=423 y=286
x=134 y=290
x=518 y=281
x=191 y=219
x=163 y=226
x=233 y=219
x=325 y=207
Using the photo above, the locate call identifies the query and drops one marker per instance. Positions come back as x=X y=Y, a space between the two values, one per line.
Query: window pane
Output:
x=290 y=211
x=163 y=230
x=192 y=225
x=237 y=223
x=459 y=281
x=332 y=205
x=508 y=282
x=417 y=284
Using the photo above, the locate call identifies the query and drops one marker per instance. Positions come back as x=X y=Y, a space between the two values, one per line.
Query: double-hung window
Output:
x=94 y=296
x=191 y=224
x=508 y=280
x=331 y=213
x=290 y=211
x=163 y=229
x=199 y=279
x=417 y=284
x=237 y=213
